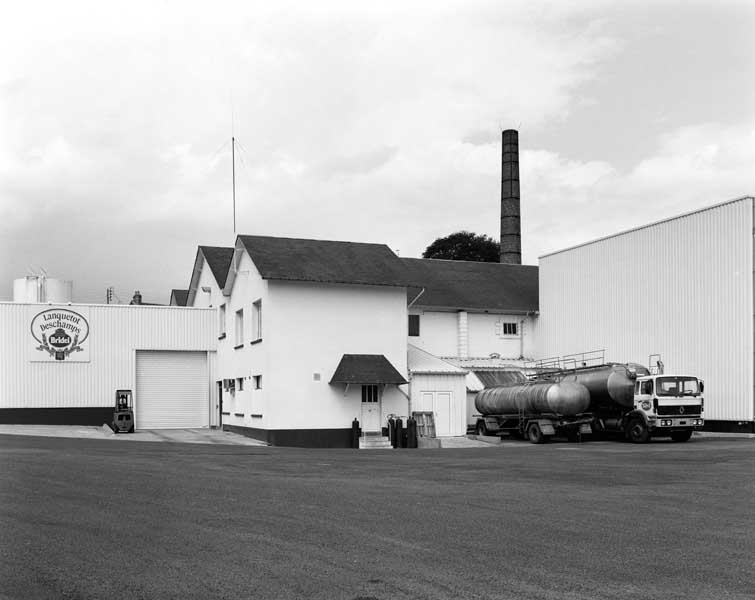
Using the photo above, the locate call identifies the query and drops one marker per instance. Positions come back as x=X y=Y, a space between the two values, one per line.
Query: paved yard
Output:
x=87 y=518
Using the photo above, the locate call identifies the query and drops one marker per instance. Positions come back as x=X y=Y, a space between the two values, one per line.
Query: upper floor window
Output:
x=239 y=327
x=257 y=320
x=414 y=325
x=505 y=328
x=221 y=321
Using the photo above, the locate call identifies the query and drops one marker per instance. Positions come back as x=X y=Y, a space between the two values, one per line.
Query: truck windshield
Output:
x=677 y=386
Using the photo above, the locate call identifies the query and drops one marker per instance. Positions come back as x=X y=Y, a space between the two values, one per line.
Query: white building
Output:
x=682 y=287
x=62 y=364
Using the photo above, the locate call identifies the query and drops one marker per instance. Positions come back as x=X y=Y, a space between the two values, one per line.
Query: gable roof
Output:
x=460 y=284
x=366 y=369
x=179 y=297
x=219 y=260
x=323 y=261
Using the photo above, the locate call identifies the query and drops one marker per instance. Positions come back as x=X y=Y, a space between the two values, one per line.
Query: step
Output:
x=374 y=442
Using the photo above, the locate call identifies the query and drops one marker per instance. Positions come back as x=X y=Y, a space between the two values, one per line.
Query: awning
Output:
x=366 y=369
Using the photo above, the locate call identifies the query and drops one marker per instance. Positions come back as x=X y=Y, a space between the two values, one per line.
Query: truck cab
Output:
x=666 y=405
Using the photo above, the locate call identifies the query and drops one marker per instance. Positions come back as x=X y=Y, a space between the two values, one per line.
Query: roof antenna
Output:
x=233 y=165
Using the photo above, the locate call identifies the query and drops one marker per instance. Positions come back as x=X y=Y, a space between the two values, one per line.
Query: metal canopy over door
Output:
x=171 y=390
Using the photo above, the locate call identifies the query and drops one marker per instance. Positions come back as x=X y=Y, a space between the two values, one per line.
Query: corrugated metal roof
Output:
x=648 y=225
x=325 y=261
x=366 y=369
x=458 y=284
x=424 y=362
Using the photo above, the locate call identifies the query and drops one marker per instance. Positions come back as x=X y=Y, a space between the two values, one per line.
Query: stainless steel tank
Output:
x=563 y=398
x=612 y=383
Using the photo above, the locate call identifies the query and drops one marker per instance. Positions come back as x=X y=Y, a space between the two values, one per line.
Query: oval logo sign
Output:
x=59 y=332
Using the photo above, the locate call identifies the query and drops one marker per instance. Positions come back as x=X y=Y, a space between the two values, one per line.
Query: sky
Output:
x=369 y=122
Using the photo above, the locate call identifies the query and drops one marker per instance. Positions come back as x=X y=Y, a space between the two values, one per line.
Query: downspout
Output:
x=521 y=339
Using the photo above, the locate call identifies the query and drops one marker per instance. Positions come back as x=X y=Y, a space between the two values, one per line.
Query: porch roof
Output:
x=366 y=369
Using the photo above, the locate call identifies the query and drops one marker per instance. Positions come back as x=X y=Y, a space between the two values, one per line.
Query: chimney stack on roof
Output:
x=137 y=299
x=511 y=231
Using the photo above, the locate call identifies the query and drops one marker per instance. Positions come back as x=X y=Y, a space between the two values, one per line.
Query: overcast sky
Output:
x=375 y=122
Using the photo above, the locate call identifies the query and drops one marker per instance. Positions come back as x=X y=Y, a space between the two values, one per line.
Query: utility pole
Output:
x=233 y=170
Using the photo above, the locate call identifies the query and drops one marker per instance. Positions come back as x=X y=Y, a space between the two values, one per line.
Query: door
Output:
x=219 y=407
x=371 y=408
x=442 y=410
x=172 y=390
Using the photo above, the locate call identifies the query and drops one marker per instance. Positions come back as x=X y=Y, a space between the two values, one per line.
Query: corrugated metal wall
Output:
x=682 y=288
x=437 y=382
x=116 y=332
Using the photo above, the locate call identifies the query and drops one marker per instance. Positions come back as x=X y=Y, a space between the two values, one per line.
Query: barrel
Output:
x=563 y=398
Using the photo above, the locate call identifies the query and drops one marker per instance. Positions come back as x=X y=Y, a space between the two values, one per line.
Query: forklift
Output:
x=123 y=416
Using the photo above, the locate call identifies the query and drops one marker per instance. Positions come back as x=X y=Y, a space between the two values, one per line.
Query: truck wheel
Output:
x=535 y=434
x=637 y=432
x=481 y=429
x=681 y=436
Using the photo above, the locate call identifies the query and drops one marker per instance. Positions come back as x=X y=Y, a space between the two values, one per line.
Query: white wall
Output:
x=439 y=334
x=115 y=333
x=424 y=384
x=682 y=288
x=311 y=326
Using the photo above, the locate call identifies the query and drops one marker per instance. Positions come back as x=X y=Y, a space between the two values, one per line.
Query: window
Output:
x=257 y=320
x=221 y=321
x=509 y=329
x=240 y=384
x=413 y=325
x=239 y=328
x=369 y=393
x=257 y=382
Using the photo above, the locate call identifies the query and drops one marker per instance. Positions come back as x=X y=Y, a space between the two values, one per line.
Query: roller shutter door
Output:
x=171 y=390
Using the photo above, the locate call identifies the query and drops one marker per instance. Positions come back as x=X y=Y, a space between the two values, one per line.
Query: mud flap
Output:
x=546 y=427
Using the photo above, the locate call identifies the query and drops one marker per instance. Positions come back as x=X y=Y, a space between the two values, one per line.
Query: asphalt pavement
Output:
x=88 y=518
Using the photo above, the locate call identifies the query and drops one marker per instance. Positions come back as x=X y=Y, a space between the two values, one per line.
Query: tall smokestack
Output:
x=511 y=231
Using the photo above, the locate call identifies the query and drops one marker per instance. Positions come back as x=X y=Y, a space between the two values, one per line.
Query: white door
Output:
x=172 y=390
x=370 y=408
x=442 y=410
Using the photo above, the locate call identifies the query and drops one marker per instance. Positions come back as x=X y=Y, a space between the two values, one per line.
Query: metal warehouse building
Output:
x=682 y=287
x=62 y=364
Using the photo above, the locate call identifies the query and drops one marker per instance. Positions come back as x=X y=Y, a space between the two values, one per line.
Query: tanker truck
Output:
x=630 y=400
x=620 y=398
x=535 y=409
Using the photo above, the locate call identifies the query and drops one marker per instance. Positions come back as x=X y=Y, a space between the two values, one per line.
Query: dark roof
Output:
x=325 y=261
x=219 y=260
x=366 y=369
x=180 y=296
x=463 y=284
x=493 y=378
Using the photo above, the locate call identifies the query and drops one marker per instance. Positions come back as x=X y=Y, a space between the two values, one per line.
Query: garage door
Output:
x=171 y=390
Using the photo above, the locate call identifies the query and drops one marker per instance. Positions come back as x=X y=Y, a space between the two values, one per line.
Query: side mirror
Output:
x=702 y=386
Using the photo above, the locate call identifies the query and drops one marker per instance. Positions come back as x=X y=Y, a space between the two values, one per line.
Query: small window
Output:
x=240 y=327
x=221 y=321
x=413 y=325
x=257 y=320
x=369 y=393
x=240 y=384
x=257 y=382
x=510 y=329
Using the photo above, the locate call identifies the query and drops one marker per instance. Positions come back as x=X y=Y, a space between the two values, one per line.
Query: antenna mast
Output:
x=233 y=169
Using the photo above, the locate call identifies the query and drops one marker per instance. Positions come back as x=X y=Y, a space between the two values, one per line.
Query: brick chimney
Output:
x=511 y=231
x=137 y=299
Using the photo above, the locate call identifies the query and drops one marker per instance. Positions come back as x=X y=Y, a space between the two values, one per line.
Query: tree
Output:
x=464 y=245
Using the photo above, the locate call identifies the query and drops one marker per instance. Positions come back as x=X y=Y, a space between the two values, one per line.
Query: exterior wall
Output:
x=439 y=334
x=682 y=288
x=308 y=328
x=115 y=333
x=436 y=382
x=247 y=407
x=207 y=280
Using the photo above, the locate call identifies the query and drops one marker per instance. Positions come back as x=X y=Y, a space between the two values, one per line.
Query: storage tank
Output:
x=37 y=288
x=608 y=384
x=563 y=398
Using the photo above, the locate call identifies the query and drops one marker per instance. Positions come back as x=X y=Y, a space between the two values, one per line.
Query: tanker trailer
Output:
x=537 y=409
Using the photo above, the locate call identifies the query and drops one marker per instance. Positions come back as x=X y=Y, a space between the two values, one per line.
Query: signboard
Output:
x=59 y=334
